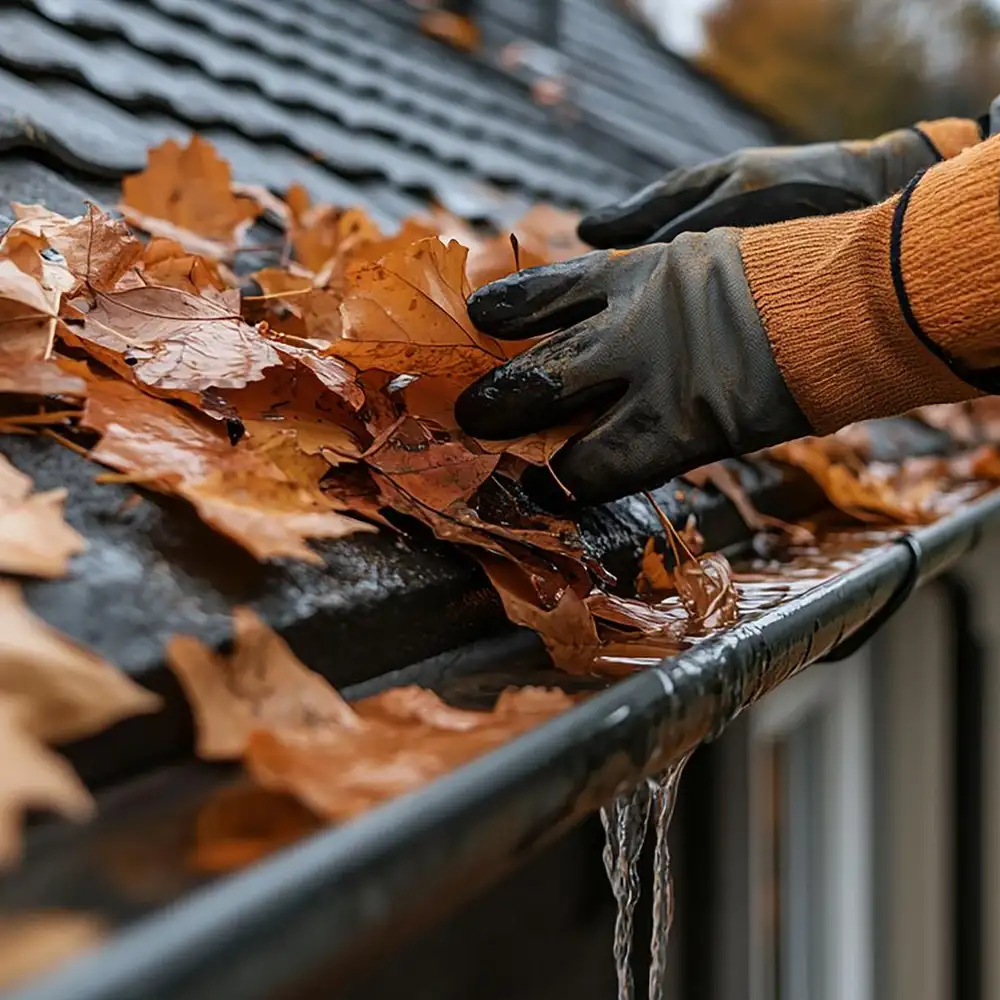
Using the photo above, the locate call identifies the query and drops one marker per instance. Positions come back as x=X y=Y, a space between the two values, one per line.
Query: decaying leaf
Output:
x=185 y=194
x=406 y=314
x=241 y=492
x=260 y=685
x=31 y=777
x=654 y=577
x=341 y=772
x=239 y=825
x=853 y=490
x=459 y=32
x=97 y=249
x=171 y=339
x=65 y=691
x=167 y=262
x=35 y=540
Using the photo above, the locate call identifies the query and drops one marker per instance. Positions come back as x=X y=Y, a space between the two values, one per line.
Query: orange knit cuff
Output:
x=948 y=260
x=949 y=136
x=825 y=293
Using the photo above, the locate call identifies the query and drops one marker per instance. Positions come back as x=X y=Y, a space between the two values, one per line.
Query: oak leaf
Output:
x=260 y=685
x=185 y=194
x=67 y=692
x=35 y=540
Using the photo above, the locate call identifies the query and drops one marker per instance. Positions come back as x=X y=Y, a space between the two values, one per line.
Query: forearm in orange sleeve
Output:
x=874 y=312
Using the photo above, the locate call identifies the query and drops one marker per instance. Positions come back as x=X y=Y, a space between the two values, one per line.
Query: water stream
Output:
x=663 y=796
x=625 y=822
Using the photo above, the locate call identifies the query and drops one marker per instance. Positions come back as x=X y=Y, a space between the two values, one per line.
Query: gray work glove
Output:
x=756 y=187
x=663 y=344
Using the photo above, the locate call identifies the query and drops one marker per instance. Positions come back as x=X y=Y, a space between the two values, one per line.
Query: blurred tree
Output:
x=852 y=68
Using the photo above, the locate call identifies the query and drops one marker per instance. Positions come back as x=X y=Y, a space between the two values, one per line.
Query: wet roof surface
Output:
x=349 y=98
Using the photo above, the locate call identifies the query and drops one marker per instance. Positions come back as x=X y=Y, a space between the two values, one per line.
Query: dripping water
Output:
x=663 y=798
x=625 y=822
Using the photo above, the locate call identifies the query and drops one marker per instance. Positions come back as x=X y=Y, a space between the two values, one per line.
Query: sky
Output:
x=679 y=22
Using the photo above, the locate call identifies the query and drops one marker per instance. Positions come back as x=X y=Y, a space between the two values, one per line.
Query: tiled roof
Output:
x=348 y=97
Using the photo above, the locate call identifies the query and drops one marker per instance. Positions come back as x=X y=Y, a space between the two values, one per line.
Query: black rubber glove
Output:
x=664 y=342
x=756 y=187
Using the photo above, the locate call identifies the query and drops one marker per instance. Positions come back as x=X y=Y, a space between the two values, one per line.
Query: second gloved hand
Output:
x=756 y=187
x=665 y=340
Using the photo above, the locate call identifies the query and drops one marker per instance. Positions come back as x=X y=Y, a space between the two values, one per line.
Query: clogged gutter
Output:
x=317 y=402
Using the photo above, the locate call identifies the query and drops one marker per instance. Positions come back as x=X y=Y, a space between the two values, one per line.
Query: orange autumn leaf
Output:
x=185 y=194
x=430 y=466
x=32 y=777
x=565 y=625
x=406 y=741
x=166 y=262
x=173 y=340
x=260 y=685
x=65 y=691
x=97 y=249
x=320 y=232
x=654 y=577
x=493 y=259
x=35 y=540
x=242 y=493
x=406 y=314
x=455 y=30
x=852 y=490
x=239 y=825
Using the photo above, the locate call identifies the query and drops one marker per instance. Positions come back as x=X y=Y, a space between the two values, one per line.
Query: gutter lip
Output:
x=346 y=892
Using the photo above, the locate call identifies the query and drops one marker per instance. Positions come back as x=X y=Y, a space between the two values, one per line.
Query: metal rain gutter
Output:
x=349 y=892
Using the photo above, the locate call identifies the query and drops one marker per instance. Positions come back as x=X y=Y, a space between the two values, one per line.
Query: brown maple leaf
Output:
x=67 y=692
x=98 y=249
x=35 y=540
x=185 y=194
x=430 y=466
x=407 y=741
x=167 y=262
x=172 y=340
x=260 y=685
x=242 y=492
x=406 y=314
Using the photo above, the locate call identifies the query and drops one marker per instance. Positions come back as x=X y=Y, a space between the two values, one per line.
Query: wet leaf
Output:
x=167 y=262
x=406 y=314
x=97 y=248
x=566 y=626
x=430 y=467
x=66 y=692
x=706 y=589
x=239 y=825
x=185 y=194
x=173 y=340
x=35 y=540
x=406 y=742
x=260 y=685
x=853 y=490
x=241 y=492
x=654 y=577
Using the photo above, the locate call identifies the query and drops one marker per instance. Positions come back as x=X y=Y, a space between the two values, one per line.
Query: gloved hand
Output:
x=757 y=187
x=724 y=342
x=665 y=339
